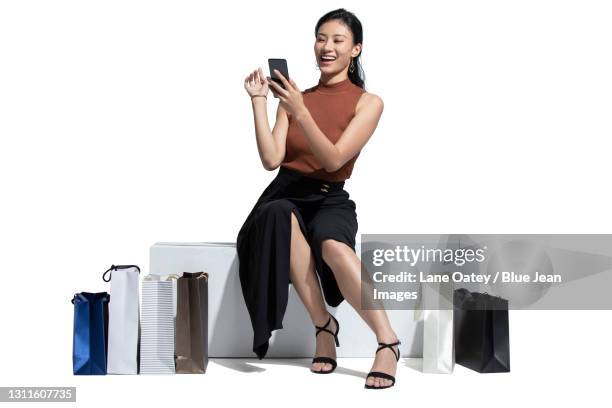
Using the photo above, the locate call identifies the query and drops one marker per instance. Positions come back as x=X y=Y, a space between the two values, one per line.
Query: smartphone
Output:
x=281 y=65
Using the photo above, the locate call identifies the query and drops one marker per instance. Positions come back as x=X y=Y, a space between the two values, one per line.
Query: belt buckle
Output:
x=325 y=187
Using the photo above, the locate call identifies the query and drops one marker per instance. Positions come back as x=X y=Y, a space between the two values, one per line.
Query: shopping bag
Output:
x=482 y=338
x=192 y=323
x=157 y=325
x=123 y=319
x=438 y=348
x=90 y=339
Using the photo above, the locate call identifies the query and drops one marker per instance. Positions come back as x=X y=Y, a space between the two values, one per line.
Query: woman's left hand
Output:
x=291 y=97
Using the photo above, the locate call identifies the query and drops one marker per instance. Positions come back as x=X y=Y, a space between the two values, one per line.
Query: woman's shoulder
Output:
x=369 y=100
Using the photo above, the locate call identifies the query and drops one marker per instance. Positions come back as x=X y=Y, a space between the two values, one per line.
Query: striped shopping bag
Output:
x=157 y=325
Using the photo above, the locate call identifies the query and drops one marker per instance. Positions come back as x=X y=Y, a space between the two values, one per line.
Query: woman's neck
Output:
x=331 y=80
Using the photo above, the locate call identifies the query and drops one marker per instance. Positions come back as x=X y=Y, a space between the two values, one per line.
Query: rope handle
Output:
x=191 y=275
x=116 y=267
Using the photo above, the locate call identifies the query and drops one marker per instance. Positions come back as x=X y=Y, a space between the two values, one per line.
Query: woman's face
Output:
x=334 y=47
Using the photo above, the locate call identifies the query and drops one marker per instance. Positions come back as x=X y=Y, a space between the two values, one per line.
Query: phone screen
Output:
x=281 y=65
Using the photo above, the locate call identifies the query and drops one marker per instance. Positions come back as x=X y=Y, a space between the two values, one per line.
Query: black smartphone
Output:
x=281 y=65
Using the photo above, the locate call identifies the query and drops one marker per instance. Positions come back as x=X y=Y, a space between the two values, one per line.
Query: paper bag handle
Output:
x=114 y=268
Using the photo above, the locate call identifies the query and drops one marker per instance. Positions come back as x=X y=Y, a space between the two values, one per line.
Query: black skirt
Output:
x=323 y=210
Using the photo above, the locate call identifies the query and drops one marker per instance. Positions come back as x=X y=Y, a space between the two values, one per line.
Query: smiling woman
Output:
x=304 y=224
x=346 y=49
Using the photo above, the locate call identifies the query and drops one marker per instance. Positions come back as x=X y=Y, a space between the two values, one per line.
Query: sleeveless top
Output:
x=332 y=107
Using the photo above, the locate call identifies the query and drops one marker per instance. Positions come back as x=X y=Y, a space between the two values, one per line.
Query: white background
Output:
x=123 y=123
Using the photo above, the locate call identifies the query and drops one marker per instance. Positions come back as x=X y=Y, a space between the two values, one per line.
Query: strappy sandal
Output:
x=327 y=360
x=378 y=374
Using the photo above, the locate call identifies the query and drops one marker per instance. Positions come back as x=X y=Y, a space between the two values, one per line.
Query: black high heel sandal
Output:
x=378 y=374
x=327 y=360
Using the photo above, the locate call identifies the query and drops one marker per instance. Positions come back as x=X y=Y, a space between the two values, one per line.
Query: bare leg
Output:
x=346 y=267
x=305 y=281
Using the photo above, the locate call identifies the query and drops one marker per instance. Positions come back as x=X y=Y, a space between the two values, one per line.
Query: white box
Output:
x=230 y=333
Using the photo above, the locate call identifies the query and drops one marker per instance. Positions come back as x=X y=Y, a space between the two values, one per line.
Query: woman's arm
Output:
x=270 y=144
x=333 y=156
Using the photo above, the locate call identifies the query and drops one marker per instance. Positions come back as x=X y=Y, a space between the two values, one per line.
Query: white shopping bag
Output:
x=123 y=319
x=438 y=344
x=157 y=324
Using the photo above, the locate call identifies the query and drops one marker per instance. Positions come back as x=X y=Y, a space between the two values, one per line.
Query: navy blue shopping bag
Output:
x=90 y=341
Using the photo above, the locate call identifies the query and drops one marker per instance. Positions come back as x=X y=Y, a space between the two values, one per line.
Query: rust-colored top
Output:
x=332 y=107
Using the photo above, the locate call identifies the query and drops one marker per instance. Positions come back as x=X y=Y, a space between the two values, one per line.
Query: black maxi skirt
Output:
x=323 y=210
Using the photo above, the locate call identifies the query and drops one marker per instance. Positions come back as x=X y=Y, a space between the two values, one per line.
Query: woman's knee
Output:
x=334 y=252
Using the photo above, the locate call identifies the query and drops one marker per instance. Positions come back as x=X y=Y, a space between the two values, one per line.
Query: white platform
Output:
x=230 y=333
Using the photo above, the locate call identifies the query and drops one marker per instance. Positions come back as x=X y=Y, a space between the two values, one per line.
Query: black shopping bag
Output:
x=482 y=338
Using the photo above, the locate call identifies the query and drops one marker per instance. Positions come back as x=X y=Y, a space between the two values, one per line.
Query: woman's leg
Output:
x=304 y=280
x=346 y=268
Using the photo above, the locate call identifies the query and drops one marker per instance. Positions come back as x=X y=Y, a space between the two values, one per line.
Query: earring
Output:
x=317 y=65
x=352 y=67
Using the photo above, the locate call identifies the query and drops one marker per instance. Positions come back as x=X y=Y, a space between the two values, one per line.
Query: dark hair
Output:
x=352 y=22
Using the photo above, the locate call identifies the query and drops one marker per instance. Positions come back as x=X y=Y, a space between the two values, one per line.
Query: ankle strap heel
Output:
x=378 y=374
x=327 y=360
x=324 y=328
x=390 y=346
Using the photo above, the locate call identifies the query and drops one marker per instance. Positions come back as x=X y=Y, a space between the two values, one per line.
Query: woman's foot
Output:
x=385 y=361
x=326 y=346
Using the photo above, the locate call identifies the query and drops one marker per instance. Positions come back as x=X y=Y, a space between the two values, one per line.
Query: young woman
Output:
x=304 y=224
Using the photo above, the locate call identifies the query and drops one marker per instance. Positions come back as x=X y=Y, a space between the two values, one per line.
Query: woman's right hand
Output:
x=256 y=83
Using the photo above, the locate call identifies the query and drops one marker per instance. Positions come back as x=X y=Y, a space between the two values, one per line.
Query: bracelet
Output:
x=255 y=96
